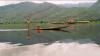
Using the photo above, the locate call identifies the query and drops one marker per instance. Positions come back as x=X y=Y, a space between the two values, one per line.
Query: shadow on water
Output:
x=90 y=33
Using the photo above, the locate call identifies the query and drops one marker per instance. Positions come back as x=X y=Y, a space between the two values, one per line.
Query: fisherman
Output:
x=28 y=21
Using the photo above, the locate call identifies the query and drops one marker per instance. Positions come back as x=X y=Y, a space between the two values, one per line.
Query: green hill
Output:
x=45 y=11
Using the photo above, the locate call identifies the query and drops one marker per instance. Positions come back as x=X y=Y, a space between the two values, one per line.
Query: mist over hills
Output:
x=97 y=5
x=78 y=5
x=44 y=11
x=96 y=8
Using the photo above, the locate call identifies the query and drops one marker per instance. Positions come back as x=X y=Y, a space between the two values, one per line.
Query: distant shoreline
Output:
x=13 y=30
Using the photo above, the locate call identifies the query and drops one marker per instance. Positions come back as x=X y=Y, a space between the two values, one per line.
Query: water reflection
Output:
x=90 y=32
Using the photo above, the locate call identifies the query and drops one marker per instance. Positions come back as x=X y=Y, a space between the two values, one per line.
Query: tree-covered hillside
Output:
x=44 y=11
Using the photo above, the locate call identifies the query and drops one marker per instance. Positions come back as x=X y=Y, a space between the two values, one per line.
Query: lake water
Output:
x=82 y=41
x=90 y=32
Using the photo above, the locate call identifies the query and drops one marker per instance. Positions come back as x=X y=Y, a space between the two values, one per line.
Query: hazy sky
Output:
x=6 y=2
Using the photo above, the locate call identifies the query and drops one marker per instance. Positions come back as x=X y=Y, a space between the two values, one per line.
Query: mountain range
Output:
x=44 y=11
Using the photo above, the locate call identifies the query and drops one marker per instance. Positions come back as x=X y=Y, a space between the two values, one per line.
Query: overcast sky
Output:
x=6 y=2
